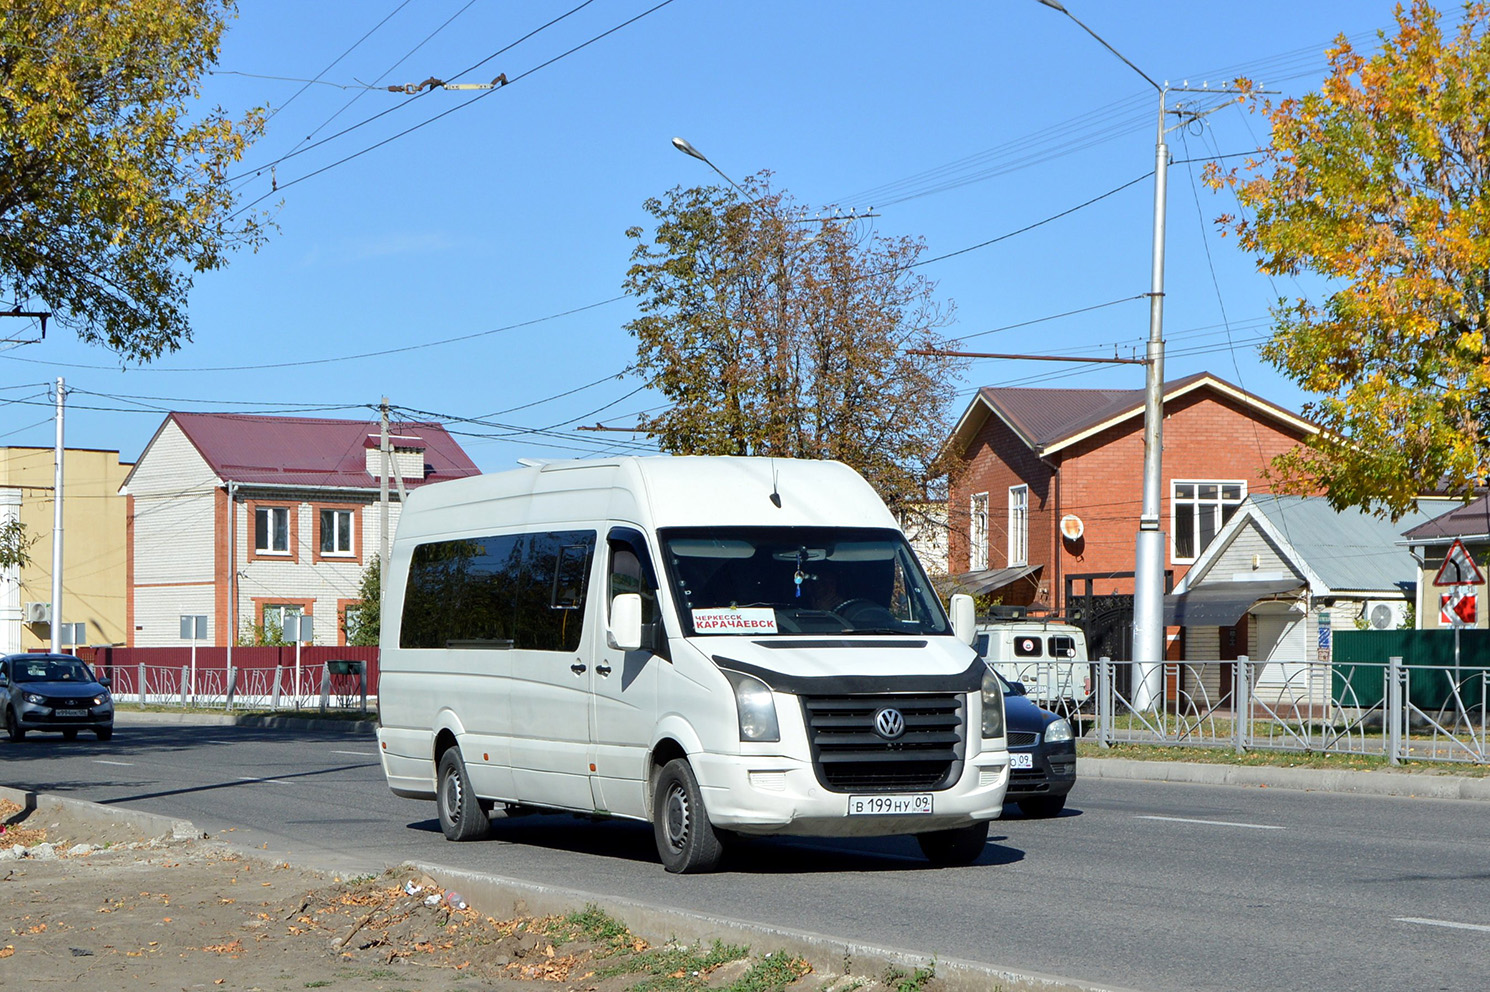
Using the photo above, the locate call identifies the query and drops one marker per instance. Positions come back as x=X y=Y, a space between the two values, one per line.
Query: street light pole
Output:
x=1148 y=564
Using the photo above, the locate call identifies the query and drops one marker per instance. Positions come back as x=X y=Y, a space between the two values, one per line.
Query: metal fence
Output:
x=331 y=685
x=1400 y=711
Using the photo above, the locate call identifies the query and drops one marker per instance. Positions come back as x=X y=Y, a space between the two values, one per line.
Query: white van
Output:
x=1048 y=656
x=714 y=645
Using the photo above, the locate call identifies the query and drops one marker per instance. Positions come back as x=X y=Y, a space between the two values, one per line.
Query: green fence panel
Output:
x=1359 y=657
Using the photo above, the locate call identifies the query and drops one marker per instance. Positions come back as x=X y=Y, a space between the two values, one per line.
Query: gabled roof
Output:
x=1469 y=521
x=1047 y=420
x=306 y=451
x=1336 y=551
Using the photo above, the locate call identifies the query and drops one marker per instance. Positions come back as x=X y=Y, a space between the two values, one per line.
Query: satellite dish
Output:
x=1381 y=616
x=1071 y=527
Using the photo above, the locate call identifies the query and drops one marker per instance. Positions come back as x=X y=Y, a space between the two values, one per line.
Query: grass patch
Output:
x=902 y=981
x=1278 y=759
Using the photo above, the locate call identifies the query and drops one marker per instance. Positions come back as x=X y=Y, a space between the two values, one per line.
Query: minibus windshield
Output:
x=798 y=580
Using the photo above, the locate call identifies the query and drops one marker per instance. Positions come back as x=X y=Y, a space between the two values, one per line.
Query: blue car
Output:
x=1042 y=755
x=56 y=693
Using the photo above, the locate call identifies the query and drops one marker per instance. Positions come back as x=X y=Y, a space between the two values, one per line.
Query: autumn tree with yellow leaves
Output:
x=769 y=332
x=1380 y=184
x=113 y=192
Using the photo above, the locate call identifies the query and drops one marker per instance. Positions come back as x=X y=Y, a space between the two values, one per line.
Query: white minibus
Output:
x=716 y=646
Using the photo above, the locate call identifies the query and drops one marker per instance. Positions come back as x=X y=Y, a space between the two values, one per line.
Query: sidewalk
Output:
x=1415 y=784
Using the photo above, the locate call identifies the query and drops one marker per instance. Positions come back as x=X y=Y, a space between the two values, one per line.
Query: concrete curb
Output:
x=504 y=897
x=127 y=718
x=149 y=826
x=1419 y=785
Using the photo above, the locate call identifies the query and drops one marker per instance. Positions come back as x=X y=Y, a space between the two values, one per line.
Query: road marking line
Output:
x=1212 y=823
x=358 y=754
x=121 y=764
x=265 y=781
x=1443 y=923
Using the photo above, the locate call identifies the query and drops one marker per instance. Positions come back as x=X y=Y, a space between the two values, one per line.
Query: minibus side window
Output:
x=1026 y=646
x=626 y=576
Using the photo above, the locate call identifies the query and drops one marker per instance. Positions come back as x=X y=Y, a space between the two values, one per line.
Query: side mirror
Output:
x=105 y=681
x=625 y=633
x=964 y=619
x=1018 y=689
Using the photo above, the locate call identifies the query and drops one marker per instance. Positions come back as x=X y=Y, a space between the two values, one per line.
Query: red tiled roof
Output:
x=306 y=451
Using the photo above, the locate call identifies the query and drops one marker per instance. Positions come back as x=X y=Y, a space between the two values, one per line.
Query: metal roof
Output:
x=306 y=451
x=1347 y=549
x=1469 y=520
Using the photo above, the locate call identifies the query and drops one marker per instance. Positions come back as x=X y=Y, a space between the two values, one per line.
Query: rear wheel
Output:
x=1042 y=807
x=13 y=728
x=461 y=816
x=686 y=841
x=959 y=846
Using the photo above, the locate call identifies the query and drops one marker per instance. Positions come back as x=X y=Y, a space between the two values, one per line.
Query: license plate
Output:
x=1017 y=760
x=889 y=805
x=71 y=712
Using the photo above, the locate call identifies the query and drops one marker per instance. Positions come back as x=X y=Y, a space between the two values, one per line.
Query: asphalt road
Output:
x=1159 y=887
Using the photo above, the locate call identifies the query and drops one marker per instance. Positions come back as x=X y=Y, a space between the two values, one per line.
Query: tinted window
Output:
x=1062 y=646
x=1027 y=646
x=512 y=590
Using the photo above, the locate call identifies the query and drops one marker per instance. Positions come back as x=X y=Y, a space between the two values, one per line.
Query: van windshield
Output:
x=798 y=580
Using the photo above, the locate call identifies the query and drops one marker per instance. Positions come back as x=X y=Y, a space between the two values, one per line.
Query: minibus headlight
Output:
x=993 y=705
x=1058 y=730
x=756 y=706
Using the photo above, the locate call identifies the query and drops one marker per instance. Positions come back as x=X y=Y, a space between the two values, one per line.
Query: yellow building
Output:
x=94 y=539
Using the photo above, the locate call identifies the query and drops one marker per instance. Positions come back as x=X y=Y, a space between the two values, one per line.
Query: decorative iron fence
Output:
x=330 y=685
x=1401 y=711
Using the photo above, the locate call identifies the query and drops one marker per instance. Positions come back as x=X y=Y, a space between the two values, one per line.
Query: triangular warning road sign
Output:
x=1458 y=568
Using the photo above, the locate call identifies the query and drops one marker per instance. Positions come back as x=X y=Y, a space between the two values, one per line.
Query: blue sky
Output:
x=469 y=270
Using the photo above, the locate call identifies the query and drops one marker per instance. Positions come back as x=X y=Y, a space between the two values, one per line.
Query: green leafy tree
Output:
x=111 y=194
x=770 y=334
x=1380 y=184
x=363 y=622
x=15 y=544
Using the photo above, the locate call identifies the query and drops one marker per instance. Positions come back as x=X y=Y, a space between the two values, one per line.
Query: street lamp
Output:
x=683 y=146
x=1148 y=565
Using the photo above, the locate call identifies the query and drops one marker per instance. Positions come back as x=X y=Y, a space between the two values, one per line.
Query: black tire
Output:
x=959 y=846
x=461 y=815
x=686 y=841
x=1042 y=807
x=103 y=733
x=13 y=728
x=69 y=735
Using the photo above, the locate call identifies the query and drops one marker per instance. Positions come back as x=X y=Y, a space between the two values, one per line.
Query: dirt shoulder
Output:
x=183 y=912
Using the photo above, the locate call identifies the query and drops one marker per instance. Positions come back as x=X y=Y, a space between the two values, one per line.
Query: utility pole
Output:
x=386 y=461
x=56 y=624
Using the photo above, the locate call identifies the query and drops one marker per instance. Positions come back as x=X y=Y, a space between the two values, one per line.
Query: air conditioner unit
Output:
x=38 y=612
x=1384 y=614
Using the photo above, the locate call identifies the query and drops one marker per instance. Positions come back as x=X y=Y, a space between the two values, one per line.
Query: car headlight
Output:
x=100 y=699
x=756 y=706
x=1058 y=730
x=993 y=705
x=32 y=697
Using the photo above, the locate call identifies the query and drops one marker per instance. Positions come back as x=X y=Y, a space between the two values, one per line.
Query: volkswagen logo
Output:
x=889 y=723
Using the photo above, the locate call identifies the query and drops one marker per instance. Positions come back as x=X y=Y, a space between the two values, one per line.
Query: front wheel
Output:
x=959 y=846
x=461 y=815
x=69 y=735
x=686 y=841
x=13 y=728
x=103 y=733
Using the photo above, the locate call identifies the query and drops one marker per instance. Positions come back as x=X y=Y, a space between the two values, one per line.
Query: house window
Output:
x=1019 y=525
x=272 y=530
x=977 y=555
x=1200 y=509
x=275 y=615
x=336 y=532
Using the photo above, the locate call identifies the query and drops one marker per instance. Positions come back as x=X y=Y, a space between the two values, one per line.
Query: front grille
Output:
x=850 y=756
x=1023 y=738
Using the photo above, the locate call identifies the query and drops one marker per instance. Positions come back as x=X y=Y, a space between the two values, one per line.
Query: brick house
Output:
x=249 y=520
x=1044 y=501
x=1468 y=524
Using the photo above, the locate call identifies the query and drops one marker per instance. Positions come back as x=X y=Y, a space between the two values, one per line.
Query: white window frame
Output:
x=1019 y=524
x=336 y=516
x=1194 y=505
x=977 y=551
x=270 y=530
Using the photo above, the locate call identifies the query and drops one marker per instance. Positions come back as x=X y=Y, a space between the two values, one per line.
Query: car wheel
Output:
x=461 y=816
x=1042 y=807
x=69 y=735
x=959 y=846
x=13 y=728
x=103 y=733
x=686 y=841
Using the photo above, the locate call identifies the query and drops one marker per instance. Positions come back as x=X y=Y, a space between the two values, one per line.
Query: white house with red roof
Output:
x=248 y=520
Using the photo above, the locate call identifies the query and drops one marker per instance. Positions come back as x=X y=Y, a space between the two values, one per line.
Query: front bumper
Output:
x=1053 y=773
x=44 y=717
x=781 y=795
